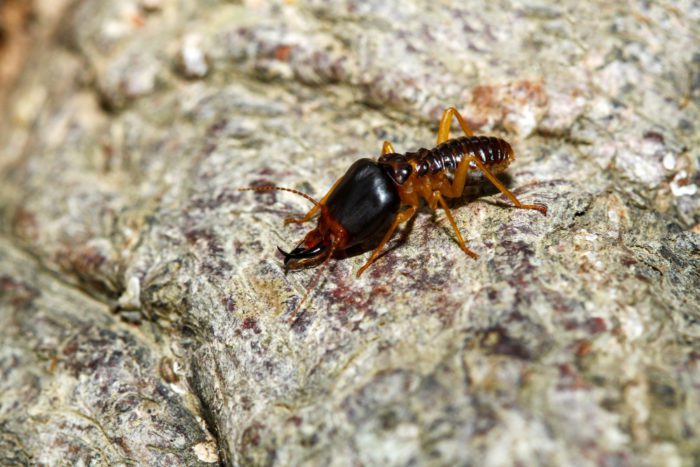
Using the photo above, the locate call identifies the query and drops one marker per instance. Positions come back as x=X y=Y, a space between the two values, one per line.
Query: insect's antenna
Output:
x=279 y=188
x=320 y=270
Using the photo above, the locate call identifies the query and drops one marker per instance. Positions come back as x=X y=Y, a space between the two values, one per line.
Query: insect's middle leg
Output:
x=446 y=121
x=314 y=210
x=460 y=240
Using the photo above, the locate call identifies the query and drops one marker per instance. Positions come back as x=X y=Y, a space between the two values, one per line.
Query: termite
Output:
x=374 y=197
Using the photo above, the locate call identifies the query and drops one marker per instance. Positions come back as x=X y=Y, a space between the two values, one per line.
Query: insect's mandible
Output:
x=374 y=197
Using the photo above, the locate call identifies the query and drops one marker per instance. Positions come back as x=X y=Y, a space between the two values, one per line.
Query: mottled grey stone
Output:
x=79 y=386
x=572 y=340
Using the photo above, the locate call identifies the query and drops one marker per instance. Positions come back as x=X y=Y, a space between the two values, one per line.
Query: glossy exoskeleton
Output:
x=374 y=197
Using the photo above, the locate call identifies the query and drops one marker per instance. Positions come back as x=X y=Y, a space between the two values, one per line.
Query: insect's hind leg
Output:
x=309 y=215
x=454 y=189
x=501 y=187
x=446 y=122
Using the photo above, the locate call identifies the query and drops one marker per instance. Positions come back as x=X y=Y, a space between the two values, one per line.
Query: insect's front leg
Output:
x=309 y=215
x=388 y=148
x=401 y=217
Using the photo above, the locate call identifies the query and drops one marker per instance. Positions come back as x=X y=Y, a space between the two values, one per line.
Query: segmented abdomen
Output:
x=492 y=152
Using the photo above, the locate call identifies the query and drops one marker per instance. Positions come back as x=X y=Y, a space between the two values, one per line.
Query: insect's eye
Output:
x=397 y=167
x=399 y=172
x=402 y=173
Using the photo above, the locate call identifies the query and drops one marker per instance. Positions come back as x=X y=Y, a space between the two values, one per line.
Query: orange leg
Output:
x=467 y=162
x=446 y=121
x=313 y=210
x=401 y=217
x=460 y=177
x=460 y=240
x=454 y=189
x=388 y=148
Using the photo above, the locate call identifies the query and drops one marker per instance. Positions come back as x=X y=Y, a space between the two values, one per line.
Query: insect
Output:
x=375 y=197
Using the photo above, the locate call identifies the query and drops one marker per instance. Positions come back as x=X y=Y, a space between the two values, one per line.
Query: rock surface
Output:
x=145 y=311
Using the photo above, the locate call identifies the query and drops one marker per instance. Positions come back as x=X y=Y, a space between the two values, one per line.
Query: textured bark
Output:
x=145 y=310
